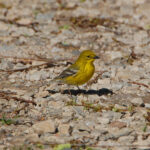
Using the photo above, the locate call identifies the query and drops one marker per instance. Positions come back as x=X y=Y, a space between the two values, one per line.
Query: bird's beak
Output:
x=96 y=57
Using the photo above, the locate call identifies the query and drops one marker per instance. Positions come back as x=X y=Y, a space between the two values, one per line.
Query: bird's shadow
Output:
x=99 y=92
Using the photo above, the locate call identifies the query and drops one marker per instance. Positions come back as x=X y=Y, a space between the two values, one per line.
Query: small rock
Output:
x=82 y=127
x=22 y=31
x=45 y=17
x=97 y=133
x=12 y=80
x=145 y=144
x=120 y=107
x=115 y=54
x=79 y=110
x=112 y=115
x=3 y=147
x=67 y=119
x=106 y=75
x=17 y=140
x=107 y=143
x=91 y=124
x=126 y=139
x=103 y=120
x=32 y=137
x=45 y=126
x=2 y=132
x=25 y=21
x=118 y=124
x=53 y=112
x=5 y=48
x=56 y=97
x=6 y=64
x=56 y=104
x=117 y=86
x=36 y=75
x=65 y=129
x=122 y=132
x=137 y=101
x=22 y=40
x=105 y=82
x=42 y=94
x=147 y=105
x=75 y=42
x=68 y=33
x=108 y=114
x=56 y=50
x=79 y=135
x=57 y=139
x=3 y=26
x=68 y=111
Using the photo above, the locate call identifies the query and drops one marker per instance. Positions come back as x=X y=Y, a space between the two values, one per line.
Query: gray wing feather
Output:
x=66 y=73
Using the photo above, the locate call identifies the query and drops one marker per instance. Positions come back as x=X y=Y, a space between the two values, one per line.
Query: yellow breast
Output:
x=83 y=76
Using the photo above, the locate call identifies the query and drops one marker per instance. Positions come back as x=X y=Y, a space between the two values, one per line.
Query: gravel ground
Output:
x=39 y=39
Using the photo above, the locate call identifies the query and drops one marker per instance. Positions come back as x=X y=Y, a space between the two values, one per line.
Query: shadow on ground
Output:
x=99 y=92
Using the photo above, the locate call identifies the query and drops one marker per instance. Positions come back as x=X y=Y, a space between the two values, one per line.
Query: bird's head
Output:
x=87 y=56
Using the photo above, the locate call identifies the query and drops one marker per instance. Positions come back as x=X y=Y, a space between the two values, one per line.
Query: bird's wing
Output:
x=72 y=70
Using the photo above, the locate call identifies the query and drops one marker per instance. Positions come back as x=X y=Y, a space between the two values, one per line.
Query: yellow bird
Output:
x=81 y=71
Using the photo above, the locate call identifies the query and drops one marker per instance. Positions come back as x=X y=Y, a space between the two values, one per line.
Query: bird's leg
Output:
x=78 y=88
x=61 y=90
x=81 y=92
x=74 y=98
x=69 y=92
x=85 y=95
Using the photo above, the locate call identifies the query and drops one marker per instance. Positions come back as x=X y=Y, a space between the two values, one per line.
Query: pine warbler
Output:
x=81 y=71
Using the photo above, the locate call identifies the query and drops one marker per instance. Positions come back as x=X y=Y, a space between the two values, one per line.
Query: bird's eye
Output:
x=88 y=56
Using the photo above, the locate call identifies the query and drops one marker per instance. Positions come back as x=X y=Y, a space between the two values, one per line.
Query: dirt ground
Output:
x=41 y=38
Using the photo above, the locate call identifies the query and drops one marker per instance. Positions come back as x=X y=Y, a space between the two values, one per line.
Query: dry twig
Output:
x=7 y=97
x=140 y=84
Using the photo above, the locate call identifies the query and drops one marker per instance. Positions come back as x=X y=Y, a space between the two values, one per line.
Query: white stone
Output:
x=64 y=129
x=147 y=105
x=103 y=120
x=137 y=101
x=45 y=126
